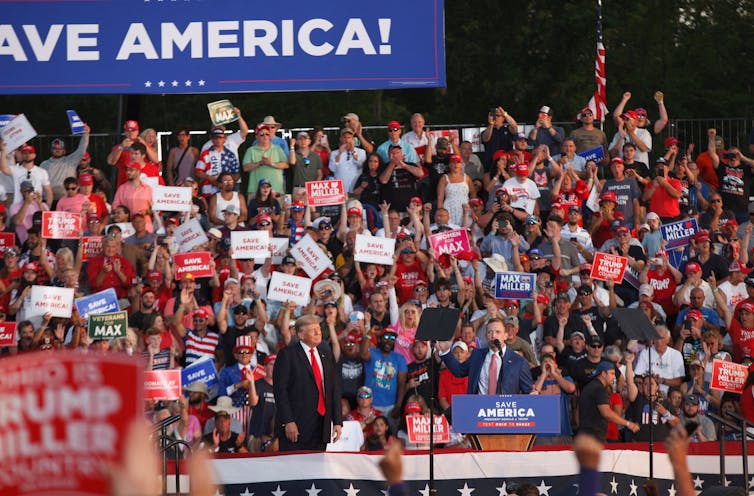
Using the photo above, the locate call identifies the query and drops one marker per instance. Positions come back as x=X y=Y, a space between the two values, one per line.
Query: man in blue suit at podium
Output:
x=493 y=370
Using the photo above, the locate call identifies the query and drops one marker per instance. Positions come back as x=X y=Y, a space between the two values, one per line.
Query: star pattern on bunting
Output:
x=278 y=491
x=633 y=487
x=699 y=482
x=148 y=84
x=502 y=490
x=351 y=491
x=313 y=491
x=466 y=490
x=613 y=486
x=425 y=491
x=247 y=493
x=543 y=489
x=671 y=491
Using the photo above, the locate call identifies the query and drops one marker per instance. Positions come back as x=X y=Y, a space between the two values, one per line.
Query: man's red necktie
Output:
x=318 y=380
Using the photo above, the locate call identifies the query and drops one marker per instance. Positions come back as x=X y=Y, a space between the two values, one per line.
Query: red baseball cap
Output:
x=412 y=407
x=693 y=267
x=670 y=142
x=475 y=201
x=696 y=314
x=394 y=125
x=86 y=179
x=354 y=211
x=543 y=298
x=737 y=266
x=456 y=158
x=27 y=148
x=608 y=196
x=131 y=126
x=623 y=229
x=201 y=313
x=522 y=169
x=154 y=275
x=747 y=306
x=500 y=153
x=616 y=160
x=134 y=165
x=702 y=235
x=510 y=303
x=414 y=199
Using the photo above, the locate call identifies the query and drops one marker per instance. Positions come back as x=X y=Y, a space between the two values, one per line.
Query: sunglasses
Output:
x=585 y=272
x=595 y=346
x=389 y=337
x=244 y=352
x=364 y=396
x=263 y=135
x=74 y=188
x=325 y=227
x=265 y=224
x=408 y=252
x=199 y=319
x=394 y=129
x=420 y=289
x=582 y=293
x=535 y=257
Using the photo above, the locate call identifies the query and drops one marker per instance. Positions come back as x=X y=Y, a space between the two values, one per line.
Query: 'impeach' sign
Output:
x=608 y=267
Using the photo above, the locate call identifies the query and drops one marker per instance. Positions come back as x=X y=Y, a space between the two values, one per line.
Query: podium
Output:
x=506 y=422
x=502 y=442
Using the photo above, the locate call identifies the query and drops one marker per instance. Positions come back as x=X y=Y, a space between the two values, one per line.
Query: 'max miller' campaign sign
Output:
x=506 y=414
x=108 y=325
x=678 y=234
x=328 y=192
x=514 y=285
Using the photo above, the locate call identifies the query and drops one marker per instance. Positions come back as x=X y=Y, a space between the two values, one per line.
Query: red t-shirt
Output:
x=450 y=385
x=612 y=427
x=743 y=340
x=747 y=403
x=664 y=286
x=662 y=203
x=408 y=276
x=602 y=233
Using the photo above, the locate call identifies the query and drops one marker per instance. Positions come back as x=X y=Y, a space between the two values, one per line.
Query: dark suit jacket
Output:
x=516 y=373
x=296 y=394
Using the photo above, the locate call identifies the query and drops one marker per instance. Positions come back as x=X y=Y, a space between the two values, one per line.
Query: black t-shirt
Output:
x=581 y=371
x=734 y=186
x=421 y=371
x=607 y=328
x=501 y=139
x=639 y=413
x=437 y=168
x=371 y=193
x=227 y=446
x=574 y=323
x=715 y=263
x=351 y=372
x=399 y=189
x=591 y=420
x=262 y=415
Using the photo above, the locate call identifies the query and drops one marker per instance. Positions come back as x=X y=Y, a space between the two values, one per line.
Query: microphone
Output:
x=499 y=347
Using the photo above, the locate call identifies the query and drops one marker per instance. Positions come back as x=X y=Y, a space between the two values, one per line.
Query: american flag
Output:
x=598 y=103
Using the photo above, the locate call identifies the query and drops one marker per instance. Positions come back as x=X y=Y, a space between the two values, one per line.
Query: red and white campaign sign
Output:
x=279 y=247
x=374 y=249
x=450 y=242
x=7 y=239
x=60 y=225
x=171 y=198
x=8 y=334
x=313 y=259
x=321 y=193
x=728 y=376
x=197 y=263
x=64 y=420
x=57 y=301
x=188 y=235
x=609 y=267
x=92 y=247
x=418 y=429
x=162 y=385
x=250 y=244
x=285 y=287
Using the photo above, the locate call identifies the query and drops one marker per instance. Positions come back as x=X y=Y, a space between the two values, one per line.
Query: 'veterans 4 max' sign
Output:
x=203 y=46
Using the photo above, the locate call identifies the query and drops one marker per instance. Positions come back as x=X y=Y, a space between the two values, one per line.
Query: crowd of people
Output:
x=542 y=203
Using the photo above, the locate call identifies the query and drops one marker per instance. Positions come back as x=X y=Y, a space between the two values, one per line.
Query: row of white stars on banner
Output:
x=173 y=83
x=502 y=490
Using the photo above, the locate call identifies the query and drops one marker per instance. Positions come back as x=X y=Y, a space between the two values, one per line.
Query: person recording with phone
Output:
x=499 y=134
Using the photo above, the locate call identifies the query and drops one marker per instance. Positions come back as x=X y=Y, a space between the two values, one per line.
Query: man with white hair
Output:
x=647 y=293
x=667 y=362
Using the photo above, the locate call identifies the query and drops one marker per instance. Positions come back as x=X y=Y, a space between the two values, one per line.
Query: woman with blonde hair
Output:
x=405 y=328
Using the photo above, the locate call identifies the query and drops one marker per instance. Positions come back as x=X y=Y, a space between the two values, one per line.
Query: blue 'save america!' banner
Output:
x=206 y=46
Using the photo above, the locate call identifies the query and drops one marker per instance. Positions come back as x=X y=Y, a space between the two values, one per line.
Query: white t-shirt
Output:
x=526 y=193
x=347 y=166
x=733 y=294
x=667 y=366
x=37 y=175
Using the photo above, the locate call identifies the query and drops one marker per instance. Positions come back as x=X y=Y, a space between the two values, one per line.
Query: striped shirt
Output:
x=199 y=347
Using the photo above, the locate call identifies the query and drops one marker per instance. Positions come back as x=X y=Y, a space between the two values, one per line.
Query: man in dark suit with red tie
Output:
x=488 y=373
x=307 y=391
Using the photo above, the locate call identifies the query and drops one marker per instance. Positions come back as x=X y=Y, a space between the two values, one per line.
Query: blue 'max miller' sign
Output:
x=206 y=46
